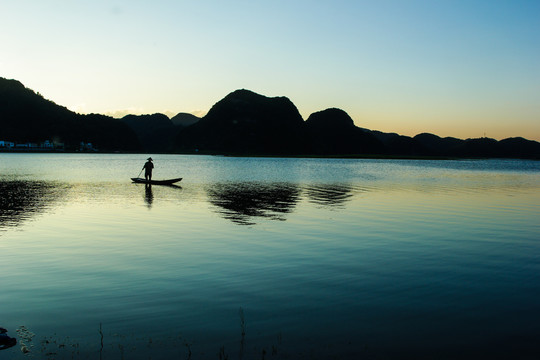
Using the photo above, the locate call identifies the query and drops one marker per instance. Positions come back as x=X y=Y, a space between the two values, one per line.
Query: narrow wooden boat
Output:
x=155 y=182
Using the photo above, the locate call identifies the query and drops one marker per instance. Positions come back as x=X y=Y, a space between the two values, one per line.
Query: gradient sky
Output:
x=461 y=68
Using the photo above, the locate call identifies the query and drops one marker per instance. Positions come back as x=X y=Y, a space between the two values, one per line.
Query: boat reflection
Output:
x=20 y=200
x=148 y=195
x=243 y=202
x=329 y=194
x=153 y=194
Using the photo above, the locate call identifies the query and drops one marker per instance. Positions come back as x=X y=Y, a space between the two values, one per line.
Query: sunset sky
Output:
x=461 y=68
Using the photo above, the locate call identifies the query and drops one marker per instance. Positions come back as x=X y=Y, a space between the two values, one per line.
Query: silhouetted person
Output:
x=148 y=166
x=5 y=340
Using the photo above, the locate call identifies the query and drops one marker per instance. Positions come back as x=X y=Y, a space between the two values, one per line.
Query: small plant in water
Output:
x=188 y=346
x=222 y=354
x=243 y=328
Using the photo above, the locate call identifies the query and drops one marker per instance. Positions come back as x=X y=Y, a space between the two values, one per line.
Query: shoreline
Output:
x=300 y=156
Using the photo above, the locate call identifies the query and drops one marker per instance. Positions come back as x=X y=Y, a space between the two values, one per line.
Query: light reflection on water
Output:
x=326 y=258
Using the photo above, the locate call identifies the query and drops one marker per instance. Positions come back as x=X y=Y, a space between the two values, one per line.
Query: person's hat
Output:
x=149 y=159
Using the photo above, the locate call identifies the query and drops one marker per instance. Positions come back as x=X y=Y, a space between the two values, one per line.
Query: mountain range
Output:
x=242 y=123
x=25 y=116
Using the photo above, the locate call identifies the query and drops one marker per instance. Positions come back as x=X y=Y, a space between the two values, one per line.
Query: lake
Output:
x=269 y=258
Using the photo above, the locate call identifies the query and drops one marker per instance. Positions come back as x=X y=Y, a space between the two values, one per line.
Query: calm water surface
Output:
x=270 y=258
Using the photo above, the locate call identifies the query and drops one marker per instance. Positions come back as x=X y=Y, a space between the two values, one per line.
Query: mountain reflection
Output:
x=242 y=202
x=20 y=200
x=329 y=194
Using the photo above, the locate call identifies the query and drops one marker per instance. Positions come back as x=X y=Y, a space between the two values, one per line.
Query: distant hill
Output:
x=426 y=144
x=436 y=145
x=332 y=132
x=518 y=147
x=242 y=123
x=246 y=123
x=154 y=131
x=184 y=119
x=25 y=116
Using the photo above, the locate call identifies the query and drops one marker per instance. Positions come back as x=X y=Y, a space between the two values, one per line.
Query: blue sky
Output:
x=452 y=68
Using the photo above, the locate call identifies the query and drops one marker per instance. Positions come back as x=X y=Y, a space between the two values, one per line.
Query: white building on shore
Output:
x=6 y=144
x=46 y=145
